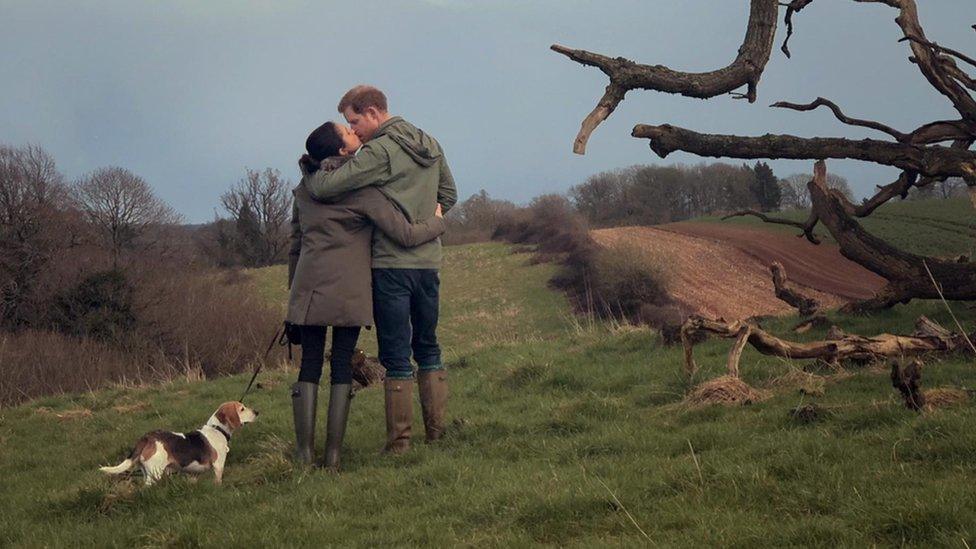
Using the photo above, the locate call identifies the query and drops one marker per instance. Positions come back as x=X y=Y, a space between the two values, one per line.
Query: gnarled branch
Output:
x=899 y=187
x=806 y=305
x=791 y=8
x=940 y=49
x=933 y=160
x=626 y=75
x=846 y=346
x=807 y=226
x=905 y=272
x=928 y=60
x=821 y=102
x=943 y=130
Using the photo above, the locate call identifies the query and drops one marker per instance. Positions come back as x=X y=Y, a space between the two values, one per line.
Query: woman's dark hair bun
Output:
x=309 y=164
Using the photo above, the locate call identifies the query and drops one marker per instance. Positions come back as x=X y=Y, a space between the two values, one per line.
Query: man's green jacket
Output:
x=409 y=167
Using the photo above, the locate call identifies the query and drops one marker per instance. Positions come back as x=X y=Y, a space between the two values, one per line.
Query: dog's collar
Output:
x=222 y=431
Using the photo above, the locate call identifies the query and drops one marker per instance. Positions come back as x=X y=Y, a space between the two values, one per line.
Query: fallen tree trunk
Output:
x=928 y=337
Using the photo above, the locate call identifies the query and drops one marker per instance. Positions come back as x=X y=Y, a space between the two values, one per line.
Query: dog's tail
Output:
x=124 y=467
x=131 y=462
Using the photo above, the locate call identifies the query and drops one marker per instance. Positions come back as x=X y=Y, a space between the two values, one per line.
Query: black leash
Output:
x=282 y=338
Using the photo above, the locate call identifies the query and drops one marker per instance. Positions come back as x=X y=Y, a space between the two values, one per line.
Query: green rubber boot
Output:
x=304 y=401
x=340 y=396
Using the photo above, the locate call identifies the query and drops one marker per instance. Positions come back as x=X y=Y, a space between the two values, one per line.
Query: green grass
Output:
x=927 y=227
x=563 y=432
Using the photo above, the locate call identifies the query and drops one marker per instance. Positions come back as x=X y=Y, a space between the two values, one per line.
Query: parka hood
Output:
x=422 y=148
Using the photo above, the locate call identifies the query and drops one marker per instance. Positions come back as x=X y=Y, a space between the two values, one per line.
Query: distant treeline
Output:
x=651 y=195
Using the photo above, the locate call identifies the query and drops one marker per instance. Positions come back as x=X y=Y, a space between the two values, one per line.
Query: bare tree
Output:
x=954 y=187
x=476 y=219
x=794 y=189
x=919 y=154
x=122 y=207
x=793 y=192
x=266 y=196
x=31 y=203
x=30 y=187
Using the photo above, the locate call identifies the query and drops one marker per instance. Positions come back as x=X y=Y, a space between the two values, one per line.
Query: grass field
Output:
x=926 y=227
x=563 y=432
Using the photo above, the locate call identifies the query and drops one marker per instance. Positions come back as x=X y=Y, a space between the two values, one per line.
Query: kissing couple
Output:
x=365 y=250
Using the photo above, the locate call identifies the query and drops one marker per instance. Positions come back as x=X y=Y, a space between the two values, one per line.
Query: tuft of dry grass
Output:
x=944 y=397
x=66 y=415
x=804 y=382
x=726 y=390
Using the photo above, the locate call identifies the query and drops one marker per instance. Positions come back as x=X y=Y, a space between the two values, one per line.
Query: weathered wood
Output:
x=906 y=380
x=736 y=353
x=933 y=161
x=906 y=273
x=806 y=226
x=919 y=154
x=924 y=340
x=806 y=305
x=626 y=75
x=821 y=102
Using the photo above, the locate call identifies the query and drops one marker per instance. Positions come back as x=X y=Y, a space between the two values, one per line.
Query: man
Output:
x=409 y=167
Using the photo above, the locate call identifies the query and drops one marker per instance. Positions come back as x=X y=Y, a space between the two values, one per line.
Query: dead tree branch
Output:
x=626 y=75
x=905 y=272
x=934 y=161
x=906 y=380
x=924 y=340
x=791 y=8
x=789 y=293
x=807 y=226
x=921 y=154
x=927 y=59
x=940 y=49
x=821 y=102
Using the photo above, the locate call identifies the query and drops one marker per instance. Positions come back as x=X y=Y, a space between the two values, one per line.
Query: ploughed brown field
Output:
x=723 y=271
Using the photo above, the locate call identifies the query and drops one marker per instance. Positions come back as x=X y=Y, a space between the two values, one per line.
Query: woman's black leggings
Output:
x=313 y=354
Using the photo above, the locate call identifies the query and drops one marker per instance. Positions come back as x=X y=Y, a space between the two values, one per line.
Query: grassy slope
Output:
x=561 y=433
x=929 y=227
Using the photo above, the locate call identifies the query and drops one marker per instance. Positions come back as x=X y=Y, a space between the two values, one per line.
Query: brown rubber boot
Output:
x=399 y=414
x=433 y=401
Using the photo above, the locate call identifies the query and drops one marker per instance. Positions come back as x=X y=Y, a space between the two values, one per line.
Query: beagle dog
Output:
x=160 y=451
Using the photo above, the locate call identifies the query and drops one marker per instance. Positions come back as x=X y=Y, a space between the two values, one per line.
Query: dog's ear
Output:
x=228 y=415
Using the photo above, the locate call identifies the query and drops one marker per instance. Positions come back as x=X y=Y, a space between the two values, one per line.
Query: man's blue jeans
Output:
x=405 y=308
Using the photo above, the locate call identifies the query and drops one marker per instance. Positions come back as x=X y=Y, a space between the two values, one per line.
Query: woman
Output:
x=329 y=281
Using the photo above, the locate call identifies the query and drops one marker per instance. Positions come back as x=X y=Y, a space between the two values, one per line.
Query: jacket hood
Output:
x=422 y=148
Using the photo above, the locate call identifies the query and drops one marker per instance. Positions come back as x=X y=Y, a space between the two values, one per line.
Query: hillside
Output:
x=564 y=432
x=721 y=268
x=929 y=227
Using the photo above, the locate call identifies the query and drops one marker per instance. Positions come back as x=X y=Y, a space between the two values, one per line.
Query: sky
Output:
x=187 y=94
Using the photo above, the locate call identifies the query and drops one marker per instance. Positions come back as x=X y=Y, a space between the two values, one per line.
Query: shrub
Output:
x=99 y=307
x=475 y=219
x=626 y=278
x=41 y=362
x=175 y=322
x=616 y=282
x=621 y=281
x=217 y=323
